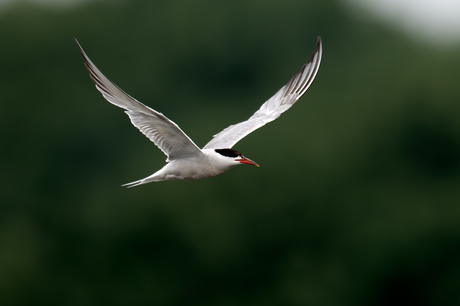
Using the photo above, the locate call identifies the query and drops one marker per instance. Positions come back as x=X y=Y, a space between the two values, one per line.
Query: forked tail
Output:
x=146 y=180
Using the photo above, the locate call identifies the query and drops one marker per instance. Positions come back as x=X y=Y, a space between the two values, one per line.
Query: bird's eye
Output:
x=228 y=152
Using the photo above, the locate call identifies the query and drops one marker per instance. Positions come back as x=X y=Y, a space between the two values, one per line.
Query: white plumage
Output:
x=185 y=160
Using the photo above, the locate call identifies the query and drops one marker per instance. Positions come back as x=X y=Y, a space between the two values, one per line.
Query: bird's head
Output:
x=235 y=156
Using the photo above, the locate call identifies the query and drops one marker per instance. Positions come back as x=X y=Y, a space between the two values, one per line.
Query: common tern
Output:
x=186 y=161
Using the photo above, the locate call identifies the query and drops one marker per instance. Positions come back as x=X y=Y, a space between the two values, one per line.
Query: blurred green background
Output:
x=356 y=202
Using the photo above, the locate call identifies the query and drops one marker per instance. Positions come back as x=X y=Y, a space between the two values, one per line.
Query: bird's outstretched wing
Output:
x=274 y=107
x=157 y=127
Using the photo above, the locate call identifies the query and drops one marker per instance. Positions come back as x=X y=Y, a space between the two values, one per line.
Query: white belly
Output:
x=189 y=169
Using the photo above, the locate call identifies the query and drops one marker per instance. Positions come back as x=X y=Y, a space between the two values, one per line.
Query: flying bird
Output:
x=186 y=161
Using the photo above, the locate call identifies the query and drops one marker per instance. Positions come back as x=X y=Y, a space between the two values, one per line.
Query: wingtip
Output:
x=318 y=50
x=319 y=43
x=76 y=40
x=81 y=48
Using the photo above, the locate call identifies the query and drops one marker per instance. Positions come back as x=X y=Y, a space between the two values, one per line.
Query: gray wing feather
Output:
x=157 y=127
x=274 y=107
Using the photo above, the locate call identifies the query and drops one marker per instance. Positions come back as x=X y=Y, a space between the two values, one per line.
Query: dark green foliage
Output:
x=360 y=205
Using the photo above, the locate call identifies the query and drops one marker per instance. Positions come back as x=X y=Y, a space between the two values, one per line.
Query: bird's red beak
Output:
x=245 y=160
